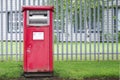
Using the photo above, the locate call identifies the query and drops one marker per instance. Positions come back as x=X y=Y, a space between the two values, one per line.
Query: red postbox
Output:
x=38 y=41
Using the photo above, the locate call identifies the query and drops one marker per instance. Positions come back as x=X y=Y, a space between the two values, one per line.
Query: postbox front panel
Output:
x=37 y=41
x=37 y=49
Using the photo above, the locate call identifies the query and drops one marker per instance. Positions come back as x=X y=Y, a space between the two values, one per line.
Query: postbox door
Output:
x=37 y=49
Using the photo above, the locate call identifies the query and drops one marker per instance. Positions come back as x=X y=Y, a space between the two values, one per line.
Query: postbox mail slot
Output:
x=38 y=18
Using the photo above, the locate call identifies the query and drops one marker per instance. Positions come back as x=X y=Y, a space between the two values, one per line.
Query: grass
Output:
x=67 y=69
x=87 y=69
x=10 y=70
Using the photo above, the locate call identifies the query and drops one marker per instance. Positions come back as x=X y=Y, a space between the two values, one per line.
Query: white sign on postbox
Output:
x=38 y=35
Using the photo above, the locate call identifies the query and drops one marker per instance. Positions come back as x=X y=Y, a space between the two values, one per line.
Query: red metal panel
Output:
x=38 y=54
x=51 y=42
x=37 y=8
x=37 y=50
x=24 y=42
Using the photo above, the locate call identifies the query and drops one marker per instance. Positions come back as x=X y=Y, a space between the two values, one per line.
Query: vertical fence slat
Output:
x=89 y=30
x=7 y=29
x=80 y=29
x=11 y=28
x=102 y=29
x=62 y=26
x=76 y=28
x=57 y=26
x=85 y=29
x=71 y=41
x=66 y=35
x=48 y=2
x=52 y=2
x=16 y=29
x=38 y=2
x=2 y=54
x=116 y=29
x=33 y=2
x=43 y=3
x=112 y=14
x=24 y=3
x=19 y=19
x=29 y=2
x=107 y=30
x=98 y=30
x=94 y=15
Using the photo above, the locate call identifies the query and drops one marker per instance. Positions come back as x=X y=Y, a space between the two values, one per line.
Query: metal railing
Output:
x=83 y=29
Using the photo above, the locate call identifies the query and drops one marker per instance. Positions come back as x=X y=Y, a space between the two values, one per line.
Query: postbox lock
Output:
x=38 y=17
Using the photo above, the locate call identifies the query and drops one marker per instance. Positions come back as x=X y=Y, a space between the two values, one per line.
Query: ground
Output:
x=57 y=78
x=66 y=70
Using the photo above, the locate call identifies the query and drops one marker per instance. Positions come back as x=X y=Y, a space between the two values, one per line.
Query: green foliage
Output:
x=110 y=36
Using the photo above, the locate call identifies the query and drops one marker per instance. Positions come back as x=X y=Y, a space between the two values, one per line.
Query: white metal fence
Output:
x=83 y=29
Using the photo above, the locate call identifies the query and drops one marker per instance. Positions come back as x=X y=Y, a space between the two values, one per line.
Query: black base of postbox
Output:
x=37 y=74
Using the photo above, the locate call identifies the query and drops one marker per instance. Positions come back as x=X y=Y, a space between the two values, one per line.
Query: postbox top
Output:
x=37 y=8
